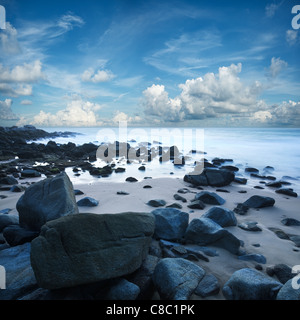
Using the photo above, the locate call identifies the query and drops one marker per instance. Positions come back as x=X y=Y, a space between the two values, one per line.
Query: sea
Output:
x=273 y=151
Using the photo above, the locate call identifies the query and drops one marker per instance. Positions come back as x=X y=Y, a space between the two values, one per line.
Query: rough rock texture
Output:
x=250 y=284
x=204 y=231
x=222 y=216
x=290 y=290
x=259 y=202
x=46 y=200
x=85 y=248
x=177 y=278
x=19 y=278
x=170 y=223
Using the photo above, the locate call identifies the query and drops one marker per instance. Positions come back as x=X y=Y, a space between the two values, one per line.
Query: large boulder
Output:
x=250 y=284
x=210 y=177
x=85 y=248
x=177 y=278
x=170 y=223
x=46 y=200
x=222 y=216
x=205 y=231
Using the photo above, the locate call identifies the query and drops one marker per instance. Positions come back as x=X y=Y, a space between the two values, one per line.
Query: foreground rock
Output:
x=85 y=248
x=177 y=278
x=46 y=200
x=204 y=231
x=211 y=177
x=170 y=223
x=209 y=198
x=20 y=278
x=290 y=290
x=250 y=284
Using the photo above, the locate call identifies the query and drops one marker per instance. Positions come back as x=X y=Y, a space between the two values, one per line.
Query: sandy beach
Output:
x=274 y=249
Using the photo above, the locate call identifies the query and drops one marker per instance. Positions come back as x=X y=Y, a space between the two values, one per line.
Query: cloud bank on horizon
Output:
x=183 y=63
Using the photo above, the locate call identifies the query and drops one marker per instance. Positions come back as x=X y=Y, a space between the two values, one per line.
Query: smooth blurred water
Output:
x=255 y=147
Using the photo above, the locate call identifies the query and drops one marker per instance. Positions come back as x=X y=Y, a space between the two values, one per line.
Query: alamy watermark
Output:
x=296 y=19
x=172 y=139
x=2 y=18
x=296 y=279
x=2 y=278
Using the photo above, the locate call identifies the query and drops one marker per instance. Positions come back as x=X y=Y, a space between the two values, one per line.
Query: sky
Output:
x=151 y=63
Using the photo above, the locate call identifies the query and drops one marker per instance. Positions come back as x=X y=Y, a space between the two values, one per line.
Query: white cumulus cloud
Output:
x=209 y=96
x=22 y=73
x=78 y=113
x=90 y=75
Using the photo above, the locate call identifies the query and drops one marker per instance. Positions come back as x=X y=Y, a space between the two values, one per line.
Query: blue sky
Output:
x=150 y=63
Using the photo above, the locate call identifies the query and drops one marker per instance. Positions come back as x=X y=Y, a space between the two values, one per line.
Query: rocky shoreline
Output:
x=163 y=239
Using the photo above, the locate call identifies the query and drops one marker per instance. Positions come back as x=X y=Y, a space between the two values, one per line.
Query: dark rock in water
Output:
x=20 y=278
x=204 y=231
x=147 y=187
x=295 y=238
x=87 y=202
x=85 y=248
x=258 y=187
x=122 y=289
x=253 y=257
x=142 y=168
x=240 y=180
x=46 y=200
x=176 y=278
x=256 y=175
x=222 y=190
x=289 y=291
x=287 y=192
x=78 y=192
x=175 y=205
x=208 y=286
x=156 y=203
x=209 y=198
x=30 y=173
x=290 y=222
x=275 y=184
x=118 y=170
x=280 y=233
x=249 y=169
x=196 y=204
x=131 y=179
x=123 y=193
x=222 y=216
x=250 y=284
x=210 y=177
x=259 y=202
x=170 y=223
x=8 y=180
x=179 y=198
x=241 y=209
x=183 y=190
x=7 y=220
x=17 y=188
x=230 y=168
x=249 y=226
x=242 y=191
x=16 y=235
